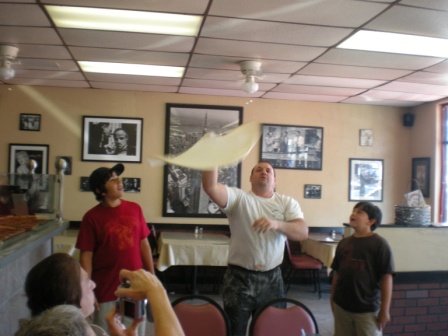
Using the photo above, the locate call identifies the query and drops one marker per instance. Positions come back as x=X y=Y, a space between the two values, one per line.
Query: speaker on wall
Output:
x=408 y=119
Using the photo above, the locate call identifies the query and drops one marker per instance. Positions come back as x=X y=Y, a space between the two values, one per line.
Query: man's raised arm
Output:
x=215 y=190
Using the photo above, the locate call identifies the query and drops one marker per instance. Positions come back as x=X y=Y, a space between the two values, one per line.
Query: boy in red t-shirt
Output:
x=113 y=236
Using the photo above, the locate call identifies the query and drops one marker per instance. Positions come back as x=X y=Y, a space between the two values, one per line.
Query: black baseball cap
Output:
x=100 y=175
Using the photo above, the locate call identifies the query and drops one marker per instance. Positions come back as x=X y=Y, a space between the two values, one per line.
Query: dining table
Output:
x=320 y=247
x=179 y=248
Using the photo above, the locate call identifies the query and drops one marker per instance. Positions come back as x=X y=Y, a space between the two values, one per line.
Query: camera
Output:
x=133 y=309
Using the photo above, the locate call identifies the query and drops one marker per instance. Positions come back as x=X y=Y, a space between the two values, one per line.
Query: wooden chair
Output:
x=293 y=320
x=200 y=315
x=303 y=262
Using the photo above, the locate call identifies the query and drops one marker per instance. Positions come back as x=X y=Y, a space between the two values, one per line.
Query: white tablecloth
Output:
x=319 y=250
x=187 y=249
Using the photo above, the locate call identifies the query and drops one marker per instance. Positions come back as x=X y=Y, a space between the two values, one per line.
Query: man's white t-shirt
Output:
x=251 y=250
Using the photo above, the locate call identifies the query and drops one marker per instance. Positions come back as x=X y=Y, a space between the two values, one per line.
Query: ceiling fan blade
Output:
x=38 y=63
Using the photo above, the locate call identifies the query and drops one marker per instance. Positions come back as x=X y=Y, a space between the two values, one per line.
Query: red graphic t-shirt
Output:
x=114 y=236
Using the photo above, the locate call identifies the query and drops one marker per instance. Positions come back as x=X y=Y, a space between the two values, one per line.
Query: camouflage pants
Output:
x=245 y=291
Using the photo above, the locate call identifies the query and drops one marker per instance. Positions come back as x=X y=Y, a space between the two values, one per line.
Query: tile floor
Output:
x=303 y=293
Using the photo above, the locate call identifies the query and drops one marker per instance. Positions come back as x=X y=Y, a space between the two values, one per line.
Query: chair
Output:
x=200 y=315
x=269 y=320
x=303 y=262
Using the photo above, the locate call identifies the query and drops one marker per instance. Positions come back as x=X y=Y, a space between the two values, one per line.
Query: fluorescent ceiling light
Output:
x=124 y=20
x=397 y=43
x=132 y=69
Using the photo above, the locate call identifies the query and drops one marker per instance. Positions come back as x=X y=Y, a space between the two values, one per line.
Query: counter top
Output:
x=21 y=244
x=392 y=225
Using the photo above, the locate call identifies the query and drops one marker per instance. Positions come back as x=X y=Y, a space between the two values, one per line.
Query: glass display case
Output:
x=28 y=202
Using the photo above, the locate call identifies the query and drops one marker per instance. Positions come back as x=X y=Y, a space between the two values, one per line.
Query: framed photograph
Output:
x=131 y=184
x=112 y=139
x=21 y=154
x=84 y=185
x=366 y=180
x=30 y=122
x=366 y=137
x=185 y=124
x=292 y=147
x=68 y=159
x=313 y=191
x=421 y=172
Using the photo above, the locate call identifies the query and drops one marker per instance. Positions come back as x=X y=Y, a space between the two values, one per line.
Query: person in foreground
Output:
x=260 y=221
x=60 y=280
x=112 y=236
x=60 y=320
x=363 y=266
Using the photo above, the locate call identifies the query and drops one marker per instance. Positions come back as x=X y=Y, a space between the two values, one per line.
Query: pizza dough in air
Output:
x=213 y=150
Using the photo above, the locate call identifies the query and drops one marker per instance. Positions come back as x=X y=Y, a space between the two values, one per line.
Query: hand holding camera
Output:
x=142 y=285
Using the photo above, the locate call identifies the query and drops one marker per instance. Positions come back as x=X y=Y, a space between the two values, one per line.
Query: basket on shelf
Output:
x=415 y=212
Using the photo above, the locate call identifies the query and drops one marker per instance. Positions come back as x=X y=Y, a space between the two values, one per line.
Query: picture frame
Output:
x=292 y=147
x=68 y=159
x=366 y=180
x=29 y=122
x=366 y=137
x=313 y=191
x=183 y=195
x=112 y=139
x=421 y=175
x=20 y=154
x=131 y=184
x=84 y=184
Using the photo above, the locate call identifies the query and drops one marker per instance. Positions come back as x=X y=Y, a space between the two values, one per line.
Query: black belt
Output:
x=239 y=268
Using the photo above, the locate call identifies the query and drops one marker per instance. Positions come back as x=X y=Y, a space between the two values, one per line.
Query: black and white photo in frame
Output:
x=185 y=125
x=112 y=139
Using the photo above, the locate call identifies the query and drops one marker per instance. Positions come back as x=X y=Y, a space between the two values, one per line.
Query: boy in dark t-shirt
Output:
x=363 y=276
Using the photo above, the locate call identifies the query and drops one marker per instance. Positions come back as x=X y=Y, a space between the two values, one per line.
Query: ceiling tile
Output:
x=274 y=32
x=334 y=13
x=333 y=81
x=352 y=71
x=414 y=21
x=317 y=90
x=303 y=97
x=257 y=50
x=120 y=40
x=24 y=15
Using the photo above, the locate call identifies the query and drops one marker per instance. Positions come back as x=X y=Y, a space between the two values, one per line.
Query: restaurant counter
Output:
x=415 y=248
x=17 y=256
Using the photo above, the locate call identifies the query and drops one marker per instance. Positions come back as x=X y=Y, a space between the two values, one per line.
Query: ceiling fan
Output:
x=8 y=58
x=251 y=70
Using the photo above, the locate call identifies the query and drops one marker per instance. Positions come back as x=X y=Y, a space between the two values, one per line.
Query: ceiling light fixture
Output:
x=8 y=56
x=396 y=43
x=124 y=20
x=132 y=69
x=252 y=71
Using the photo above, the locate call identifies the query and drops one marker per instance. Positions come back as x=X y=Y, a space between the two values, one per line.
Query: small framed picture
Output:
x=84 y=185
x=366 y=137
x=21 y=154
x=366 y=180
x=421 y=175
x=30 y=122
x=292 y=147
x=131 y=184
x=313 y=191
x=68 y=159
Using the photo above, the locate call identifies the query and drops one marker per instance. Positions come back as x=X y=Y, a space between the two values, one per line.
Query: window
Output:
x=444 y=174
